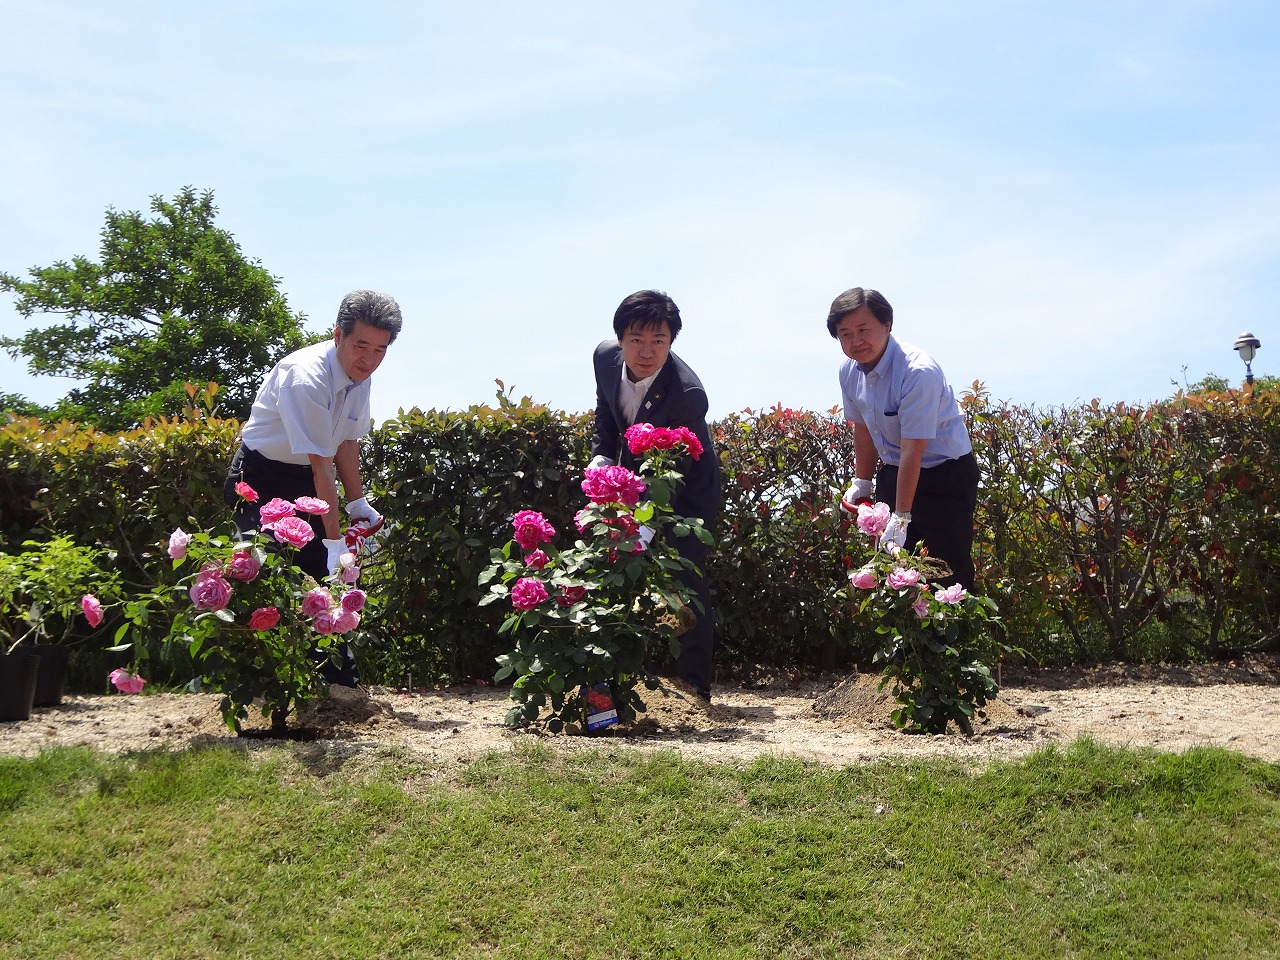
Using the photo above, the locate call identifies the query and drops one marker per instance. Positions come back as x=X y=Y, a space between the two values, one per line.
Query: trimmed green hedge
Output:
x=1103 y=532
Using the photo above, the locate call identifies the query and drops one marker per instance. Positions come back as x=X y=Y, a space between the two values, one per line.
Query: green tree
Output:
x=172 y=301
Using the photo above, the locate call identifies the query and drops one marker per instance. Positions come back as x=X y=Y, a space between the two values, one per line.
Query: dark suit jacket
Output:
x=676 y=399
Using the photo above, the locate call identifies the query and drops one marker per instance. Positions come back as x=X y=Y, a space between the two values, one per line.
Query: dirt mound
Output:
x=860 y=701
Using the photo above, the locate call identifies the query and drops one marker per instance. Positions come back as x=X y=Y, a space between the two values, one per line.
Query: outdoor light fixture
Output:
x=1247 y=346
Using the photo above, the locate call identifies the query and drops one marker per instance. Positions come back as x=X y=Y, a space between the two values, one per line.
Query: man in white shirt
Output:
x=302 y=432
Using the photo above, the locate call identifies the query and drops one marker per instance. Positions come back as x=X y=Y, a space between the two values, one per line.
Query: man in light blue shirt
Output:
x=905 y=416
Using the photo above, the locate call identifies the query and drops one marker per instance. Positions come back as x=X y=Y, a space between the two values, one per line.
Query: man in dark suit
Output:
x=639 y=380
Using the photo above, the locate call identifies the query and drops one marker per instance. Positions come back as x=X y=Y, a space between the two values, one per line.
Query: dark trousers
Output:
x=288 y=481
x=941 y=514
x=694 y=665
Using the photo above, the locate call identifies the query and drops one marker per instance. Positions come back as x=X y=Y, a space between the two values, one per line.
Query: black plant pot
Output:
x=17 y=684
x=52 y=675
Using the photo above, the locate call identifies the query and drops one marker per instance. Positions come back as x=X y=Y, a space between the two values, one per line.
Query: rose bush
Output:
x=590 y=614
x=257 y=628
x=937 y=645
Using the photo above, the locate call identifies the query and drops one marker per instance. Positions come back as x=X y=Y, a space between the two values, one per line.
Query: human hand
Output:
x=860 y=491
x=334 y=549
x=361 y=511
x=896 y=532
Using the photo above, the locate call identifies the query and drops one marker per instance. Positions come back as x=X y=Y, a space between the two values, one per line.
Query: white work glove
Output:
x=335 y=549
x=860 y=491
x=645 y=534
x=361 y=512
x=896 y=532
x=600 y=460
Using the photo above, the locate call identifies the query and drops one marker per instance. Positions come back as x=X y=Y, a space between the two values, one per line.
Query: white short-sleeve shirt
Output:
x=307 y=405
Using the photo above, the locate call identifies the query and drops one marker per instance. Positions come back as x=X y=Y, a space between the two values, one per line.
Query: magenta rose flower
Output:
x=294 y=531
x=571 y=595
x=178 y=541
x=324 y=624
x=210 y=591
x=264 y=618
x=528 y=593
x=345 y=621
x=126 y=682
x=273 y=511
x=864 y=579
x=639 y=437
x=952 y=594
x=690 y=440
x=612 y=485
x=532 y=528
x=581 y=520
x=354 y=600
x=311 y=505
x=537 y=559
x=872 y=520
x=246 y=492
x=92 y=609
x=243 y=566
x=315 y=602
x=901 y=578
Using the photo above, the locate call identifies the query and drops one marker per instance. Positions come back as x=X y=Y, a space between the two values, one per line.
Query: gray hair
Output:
x=369 y=306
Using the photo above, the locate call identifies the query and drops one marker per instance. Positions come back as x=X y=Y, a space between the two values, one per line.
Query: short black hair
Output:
x=369 y=306
x=647 y=308
x=854 y=298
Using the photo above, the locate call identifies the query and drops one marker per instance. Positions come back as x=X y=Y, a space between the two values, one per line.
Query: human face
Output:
x=862 y=337
x=361 y=351
x=645 y=349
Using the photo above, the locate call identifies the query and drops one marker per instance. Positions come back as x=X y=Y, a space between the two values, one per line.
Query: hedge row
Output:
x=1119 y=532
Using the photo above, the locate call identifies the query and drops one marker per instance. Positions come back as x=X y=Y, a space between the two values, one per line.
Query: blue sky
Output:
x=1064 y=201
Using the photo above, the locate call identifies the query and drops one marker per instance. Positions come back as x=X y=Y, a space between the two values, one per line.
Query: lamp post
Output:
x=1247 y=346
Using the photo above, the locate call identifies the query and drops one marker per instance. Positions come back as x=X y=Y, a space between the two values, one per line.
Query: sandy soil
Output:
x=834 y=721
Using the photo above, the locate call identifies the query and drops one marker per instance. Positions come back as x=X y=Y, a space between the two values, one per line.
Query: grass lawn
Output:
x=289 y=852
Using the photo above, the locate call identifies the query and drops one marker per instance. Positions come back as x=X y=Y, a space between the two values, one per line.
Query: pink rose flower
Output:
x=612 y=485
x=311 y=505
x=537 y=559
x=663 y=438
x=528 y=593
x=872 y=520
x=294 y=531
x=952 y=594
x=921 y=606
x=901 y=578
x=690 y=440
x=243 y=566
x=315 y=602
x=246 y=492
x=354 y=600
x=864 y=579
x=178 y=541
x=350 y=572
x=264 y=618
x=92 y=609
x=210 y=591
x=571 y=595
x=323 y=624
x=639 y=437
x=531 y=529
x=126 y=682
x=273 y=511
x=346 y=621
